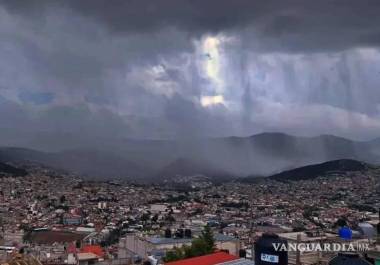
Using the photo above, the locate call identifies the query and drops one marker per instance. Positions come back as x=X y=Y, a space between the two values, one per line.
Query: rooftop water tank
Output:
x=345 y=233
x=348 y=259
x=367 y=230
x=266 y=253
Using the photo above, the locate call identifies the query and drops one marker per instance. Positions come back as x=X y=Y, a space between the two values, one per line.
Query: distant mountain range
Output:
x=260 y=155
x=6 y=169
x=322 y=169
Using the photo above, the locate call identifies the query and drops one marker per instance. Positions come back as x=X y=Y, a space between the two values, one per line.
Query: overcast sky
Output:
x=196 y=68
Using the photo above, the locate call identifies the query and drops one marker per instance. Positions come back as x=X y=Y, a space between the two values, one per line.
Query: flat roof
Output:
x=238 y=262
x=164 y=240
x=304 y=236
x=50 y=237
x=210 y=259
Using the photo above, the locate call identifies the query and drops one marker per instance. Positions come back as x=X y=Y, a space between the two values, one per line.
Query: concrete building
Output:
x=133 y=244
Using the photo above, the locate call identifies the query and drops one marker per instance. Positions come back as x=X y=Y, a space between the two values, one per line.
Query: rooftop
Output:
x=164 y=240
x=211 y=259
x=238 y=262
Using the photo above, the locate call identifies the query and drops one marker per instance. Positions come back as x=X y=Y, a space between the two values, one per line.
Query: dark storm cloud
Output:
x=293 y=25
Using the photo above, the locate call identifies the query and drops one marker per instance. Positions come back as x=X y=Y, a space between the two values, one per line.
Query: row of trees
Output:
x=204 y=244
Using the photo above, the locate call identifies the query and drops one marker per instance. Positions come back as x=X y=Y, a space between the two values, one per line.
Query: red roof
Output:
x=210 y=259
x=95 y=249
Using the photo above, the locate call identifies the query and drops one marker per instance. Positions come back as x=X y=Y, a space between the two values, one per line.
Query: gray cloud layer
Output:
x=292 y=25
x=99 y=69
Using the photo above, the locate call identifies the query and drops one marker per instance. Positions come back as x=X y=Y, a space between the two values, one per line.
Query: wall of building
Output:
x=134 y=244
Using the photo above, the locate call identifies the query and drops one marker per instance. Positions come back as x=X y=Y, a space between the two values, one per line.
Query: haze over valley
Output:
x=258 y=155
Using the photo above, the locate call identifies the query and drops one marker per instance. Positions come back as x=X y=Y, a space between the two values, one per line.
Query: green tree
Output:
x=198 y=247
x=204 y=244
x=175 y=254
x=208 y=237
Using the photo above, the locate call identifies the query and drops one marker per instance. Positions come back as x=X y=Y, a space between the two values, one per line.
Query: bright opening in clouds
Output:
x=211 y=100
x=212 y=62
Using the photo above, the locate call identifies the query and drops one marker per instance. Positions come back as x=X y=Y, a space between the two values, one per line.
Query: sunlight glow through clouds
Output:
x=212 y=63
x=212 y=100
x=212 y=66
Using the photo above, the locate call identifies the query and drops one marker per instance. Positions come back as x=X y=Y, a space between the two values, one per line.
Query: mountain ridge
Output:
x=322 y=169
x=262 y=154
x=6 y=169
